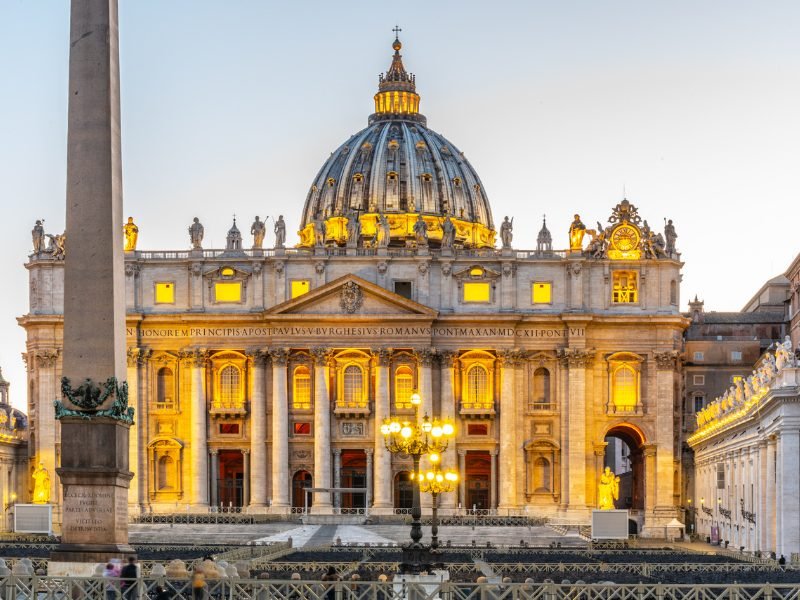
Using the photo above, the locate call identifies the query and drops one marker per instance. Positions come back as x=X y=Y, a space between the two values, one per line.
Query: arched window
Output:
x=229 y=387
x=541 y=389
x=353 y=387
x=478 y=388
x=541 y=475
x=625 y=388
x=301 y=393
x=403 y=387
x=166 y=473
x=165 y=387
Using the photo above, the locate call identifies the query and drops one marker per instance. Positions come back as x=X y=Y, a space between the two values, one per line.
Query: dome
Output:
x=399 y=168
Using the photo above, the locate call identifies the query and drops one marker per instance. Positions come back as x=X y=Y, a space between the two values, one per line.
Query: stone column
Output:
x=762 y=483
x=382 y=498
x=214 y=478
x=322 y=431
x=94 y=296
x=599 y=462
x=508 y=425
x=649 y=451
x=789 y=492
x=246 y=477
x=337 y=477
x=770 y=519
x=425 y=358
x=280 y=431
x=576 y=360
x=462 y=478
x=138 y=497
x=448 y=411
x=665 y=414
x=258 y=434
x=369 y=452
x=45 y=364
x=199 y=429
x=493 y=481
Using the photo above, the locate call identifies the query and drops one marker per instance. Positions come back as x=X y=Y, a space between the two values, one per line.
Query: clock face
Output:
x=625 y=238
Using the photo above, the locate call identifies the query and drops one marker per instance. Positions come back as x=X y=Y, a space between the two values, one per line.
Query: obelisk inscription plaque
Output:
x=93 y=411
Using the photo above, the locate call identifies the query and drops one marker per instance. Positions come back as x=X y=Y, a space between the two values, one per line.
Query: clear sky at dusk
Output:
x=232 y=107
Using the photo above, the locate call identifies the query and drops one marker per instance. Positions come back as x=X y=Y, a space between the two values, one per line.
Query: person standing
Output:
x=128 y=579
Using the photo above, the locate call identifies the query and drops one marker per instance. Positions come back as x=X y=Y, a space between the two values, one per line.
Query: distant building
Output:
x=14 y=474
x=793 y=277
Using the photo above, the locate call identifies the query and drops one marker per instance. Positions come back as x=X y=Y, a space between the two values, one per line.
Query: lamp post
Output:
x=435 y=482
x=416 y=438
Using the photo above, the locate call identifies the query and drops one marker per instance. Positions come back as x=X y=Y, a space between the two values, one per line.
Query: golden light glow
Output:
x=397 y=102
x=300 y=287
x=448 y=429
x=415 y=398
x=434 y=457
x=625 y=388
x=228 y=292
x=165 y=293
x=301 y=390
x=625 y=287
x=542 y=292
x=476 y=272
x=477 y=291
x=227 y=272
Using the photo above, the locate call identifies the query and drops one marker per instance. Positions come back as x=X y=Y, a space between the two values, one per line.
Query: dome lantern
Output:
x=397 y=90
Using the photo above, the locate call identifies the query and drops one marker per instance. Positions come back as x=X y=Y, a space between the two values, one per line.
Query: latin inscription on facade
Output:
x=90 y=510
x=358 y=332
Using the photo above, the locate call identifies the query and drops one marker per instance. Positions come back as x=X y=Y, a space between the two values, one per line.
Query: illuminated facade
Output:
x=258 y=373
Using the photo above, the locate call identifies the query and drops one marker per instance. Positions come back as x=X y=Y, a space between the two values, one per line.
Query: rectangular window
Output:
x=165 y=293
x=300 y=287
x=698 y=379
x=698 y=356
x=542 y=292
x=228 y=291
x=699 y=403
x=736 y=355
x=625 y=287
x=477 y=429
x=302 y=428
x=477 y=291
x=229 y=429
x=403 y=288
x=720 y=476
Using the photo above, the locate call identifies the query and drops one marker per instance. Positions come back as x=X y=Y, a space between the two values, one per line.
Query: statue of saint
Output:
x=38 y=237
x=41 y=485
x=669 y=233
x=576 y=231
x=131 y=233
x=280 y=232
x=506 y=232
x=353 y=229
x=57 y=245
x=421 y=231
x=319 y=232
x=448 y=232
x=258 y=230
x=382 y=232
x=196 y=232
x=607 y=490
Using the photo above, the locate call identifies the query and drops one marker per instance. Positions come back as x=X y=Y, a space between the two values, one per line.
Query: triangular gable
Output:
x=374 y=300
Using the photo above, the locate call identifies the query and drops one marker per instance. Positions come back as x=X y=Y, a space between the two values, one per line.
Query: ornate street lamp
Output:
x=434 y=482
x=416 y=439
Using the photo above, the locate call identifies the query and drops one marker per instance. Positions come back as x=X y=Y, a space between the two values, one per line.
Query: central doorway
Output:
x=478 y=466
x=353 y=475
x=403 y=490
x=230 y=485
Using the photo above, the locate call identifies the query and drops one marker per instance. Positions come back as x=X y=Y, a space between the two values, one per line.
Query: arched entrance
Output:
x=403 y=490
x=624 y=455
x=301 y=481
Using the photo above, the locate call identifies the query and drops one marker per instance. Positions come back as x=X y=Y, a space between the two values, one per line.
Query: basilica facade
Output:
x=257 y=373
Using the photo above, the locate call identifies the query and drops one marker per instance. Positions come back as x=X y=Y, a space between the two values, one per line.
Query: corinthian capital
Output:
x=666 y=361
x=425 y=356
x=383 y=356
x=279 y=356
x=194 y=357
x=576 y=357
x=448 y=357
x=255 y=356
x=510 y=358
x=47 y=357
x=321 y=355
x=138 y=356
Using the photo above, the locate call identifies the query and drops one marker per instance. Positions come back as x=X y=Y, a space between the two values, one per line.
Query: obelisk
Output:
x=93 y=409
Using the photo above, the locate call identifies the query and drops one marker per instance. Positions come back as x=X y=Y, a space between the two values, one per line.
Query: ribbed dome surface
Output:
x=398 y=166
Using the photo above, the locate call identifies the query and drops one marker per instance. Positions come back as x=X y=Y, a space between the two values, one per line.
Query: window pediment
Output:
x=476 y=273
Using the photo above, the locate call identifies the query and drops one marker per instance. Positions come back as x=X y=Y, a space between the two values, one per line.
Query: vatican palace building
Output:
x=263 y=370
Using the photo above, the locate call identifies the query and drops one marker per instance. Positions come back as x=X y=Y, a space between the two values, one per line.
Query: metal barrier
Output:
x=249 y=589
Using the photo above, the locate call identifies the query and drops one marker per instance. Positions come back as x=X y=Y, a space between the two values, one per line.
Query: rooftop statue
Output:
x=319 y=232
x=57 y=245
x=448 y=232
x=382 y=233
x=599 y=243
x=258 y=231
x=196 y=232
x=353 y=229
x=280 y=232
x=607 y=490
x=38 y=237
x=131 y=233
x=421 y=231
x=41 y=485
x=671 y=236
x=576 y=232
x=506 y=229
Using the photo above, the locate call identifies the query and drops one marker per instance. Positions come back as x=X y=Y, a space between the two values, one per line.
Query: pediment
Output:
x=351 y=295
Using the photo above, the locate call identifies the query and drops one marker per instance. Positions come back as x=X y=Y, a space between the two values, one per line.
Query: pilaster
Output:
x=382 y=498
x=280 y=429
x=322 y=431
x=258 y=432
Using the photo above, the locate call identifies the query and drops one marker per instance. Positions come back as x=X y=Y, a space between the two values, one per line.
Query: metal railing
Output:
x=251 y=589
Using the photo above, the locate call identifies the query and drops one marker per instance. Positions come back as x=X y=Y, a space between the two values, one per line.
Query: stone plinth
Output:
x=95 y=477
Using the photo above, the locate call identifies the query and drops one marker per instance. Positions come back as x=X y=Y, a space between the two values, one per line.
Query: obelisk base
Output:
x=95 y=476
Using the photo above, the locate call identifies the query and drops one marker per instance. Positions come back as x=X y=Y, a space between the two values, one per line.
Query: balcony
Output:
x=632 y=410
x=226 y=410
x=351 y=409
x=540 y=407
x=167 y=405
x=476 y=410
